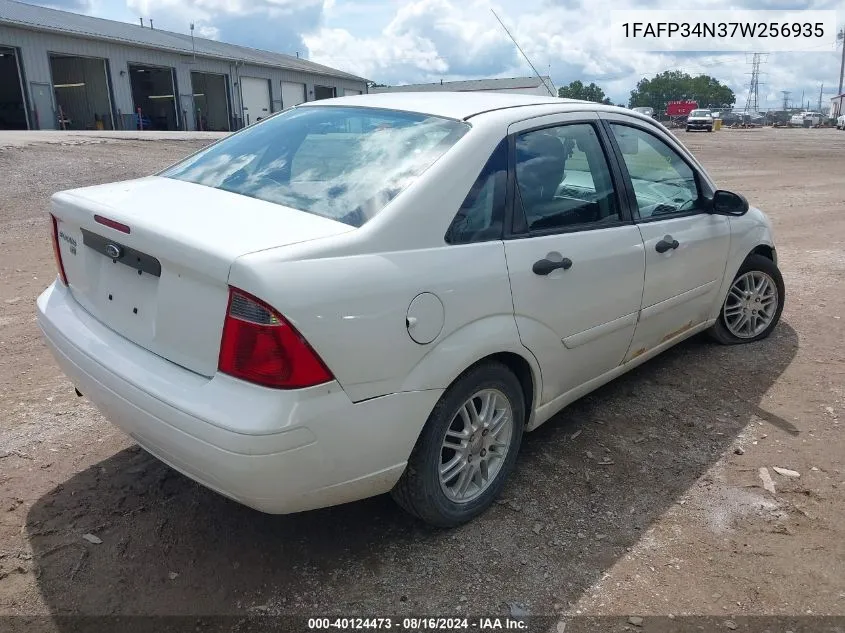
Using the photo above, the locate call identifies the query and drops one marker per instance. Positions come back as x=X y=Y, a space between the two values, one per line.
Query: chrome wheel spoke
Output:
x=465 y=480
x=498 y=447
x=500 y=422
x=488 y=405
x=461 y=435
x=483 y=471
x=452 y=468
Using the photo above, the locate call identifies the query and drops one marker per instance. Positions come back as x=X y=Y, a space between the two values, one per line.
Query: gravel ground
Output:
x=677 y=522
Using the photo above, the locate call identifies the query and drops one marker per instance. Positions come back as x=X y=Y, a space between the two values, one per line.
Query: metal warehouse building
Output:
x=61 y=70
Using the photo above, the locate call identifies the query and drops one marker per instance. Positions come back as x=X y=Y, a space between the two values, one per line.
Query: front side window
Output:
x=663 y=182
x=341 y=163
x=563 y=179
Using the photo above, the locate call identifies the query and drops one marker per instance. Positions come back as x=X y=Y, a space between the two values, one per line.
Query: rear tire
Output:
x=437 y=498
x=743 y=300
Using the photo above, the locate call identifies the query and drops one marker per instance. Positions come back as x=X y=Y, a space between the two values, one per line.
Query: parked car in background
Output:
x=700 y=119
x=805 y=119
x=384 y=292
x=840 y=122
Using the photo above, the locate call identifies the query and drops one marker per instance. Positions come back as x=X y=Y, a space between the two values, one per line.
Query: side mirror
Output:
x=728 y=203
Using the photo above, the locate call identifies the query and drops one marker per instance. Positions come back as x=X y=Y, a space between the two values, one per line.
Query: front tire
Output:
x=753 y=305
x=467 y=448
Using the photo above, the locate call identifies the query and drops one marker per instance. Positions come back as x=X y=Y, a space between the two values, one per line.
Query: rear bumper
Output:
x=276 y=451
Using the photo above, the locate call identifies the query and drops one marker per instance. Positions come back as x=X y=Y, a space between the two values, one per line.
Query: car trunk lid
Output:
x=164 y=283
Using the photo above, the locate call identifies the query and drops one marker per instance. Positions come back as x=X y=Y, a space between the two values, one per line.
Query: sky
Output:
x=409 y=41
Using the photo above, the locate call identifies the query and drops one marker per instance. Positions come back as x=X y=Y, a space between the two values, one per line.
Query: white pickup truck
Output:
x=805 y=119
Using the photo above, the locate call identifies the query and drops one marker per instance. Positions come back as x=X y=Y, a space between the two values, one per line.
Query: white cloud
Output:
x=407 y=41
x=426 y=40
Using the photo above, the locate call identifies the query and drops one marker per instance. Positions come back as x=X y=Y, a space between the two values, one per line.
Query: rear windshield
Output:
x=341 y=163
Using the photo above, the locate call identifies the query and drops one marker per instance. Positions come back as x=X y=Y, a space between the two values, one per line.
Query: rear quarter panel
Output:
x=353 y=310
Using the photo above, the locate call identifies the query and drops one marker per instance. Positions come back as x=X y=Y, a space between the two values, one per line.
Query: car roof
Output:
x=454 y=105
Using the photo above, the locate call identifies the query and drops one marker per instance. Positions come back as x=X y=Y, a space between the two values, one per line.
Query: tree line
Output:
x=671 y=85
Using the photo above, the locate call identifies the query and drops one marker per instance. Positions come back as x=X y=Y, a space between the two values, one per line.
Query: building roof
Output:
x=474 y=85
x=28 y=16
x=455 y=105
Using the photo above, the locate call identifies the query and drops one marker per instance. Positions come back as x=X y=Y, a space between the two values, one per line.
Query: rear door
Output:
x=575 y=259
x=686 y=248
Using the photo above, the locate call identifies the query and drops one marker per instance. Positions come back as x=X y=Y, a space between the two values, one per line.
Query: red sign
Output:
x=680 y=108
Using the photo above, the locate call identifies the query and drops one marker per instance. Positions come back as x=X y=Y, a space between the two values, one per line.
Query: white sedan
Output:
x=384 y=292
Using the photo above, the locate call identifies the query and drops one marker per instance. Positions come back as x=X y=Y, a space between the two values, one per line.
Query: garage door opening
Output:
x=81 y=89
x=154 y=94
x=12 y=104
x=211 y=101
x=324 y=92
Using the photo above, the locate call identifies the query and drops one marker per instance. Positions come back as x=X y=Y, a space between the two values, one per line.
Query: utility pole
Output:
x=820 y=97
x=841 y=38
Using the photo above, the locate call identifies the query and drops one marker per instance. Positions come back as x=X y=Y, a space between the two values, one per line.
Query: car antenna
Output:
x=539 y=76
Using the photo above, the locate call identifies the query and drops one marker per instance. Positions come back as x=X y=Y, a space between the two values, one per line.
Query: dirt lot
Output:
x=679 y=523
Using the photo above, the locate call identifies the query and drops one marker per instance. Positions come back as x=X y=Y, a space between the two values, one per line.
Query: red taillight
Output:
x=260 y=346
x=57 y=253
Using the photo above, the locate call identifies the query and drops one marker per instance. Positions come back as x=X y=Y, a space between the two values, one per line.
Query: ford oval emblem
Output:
x=114 y=251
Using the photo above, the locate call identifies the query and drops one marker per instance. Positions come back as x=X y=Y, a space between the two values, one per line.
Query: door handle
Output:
x=546 y=266
x=666 y=243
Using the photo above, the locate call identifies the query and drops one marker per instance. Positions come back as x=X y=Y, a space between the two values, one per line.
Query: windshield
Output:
x=341 y=163
x=701 y=113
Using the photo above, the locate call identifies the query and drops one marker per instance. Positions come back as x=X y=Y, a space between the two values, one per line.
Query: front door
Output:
x=575 y=259
x=686 y=247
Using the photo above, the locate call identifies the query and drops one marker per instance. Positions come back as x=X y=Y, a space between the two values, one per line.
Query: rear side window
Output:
x=481 y=216
x=341 y=163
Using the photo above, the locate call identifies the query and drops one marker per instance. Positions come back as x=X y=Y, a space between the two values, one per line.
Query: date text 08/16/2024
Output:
x=417 y=624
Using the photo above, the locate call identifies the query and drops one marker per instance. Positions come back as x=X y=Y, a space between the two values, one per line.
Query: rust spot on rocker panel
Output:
x=636 y=353
x=677 y=332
